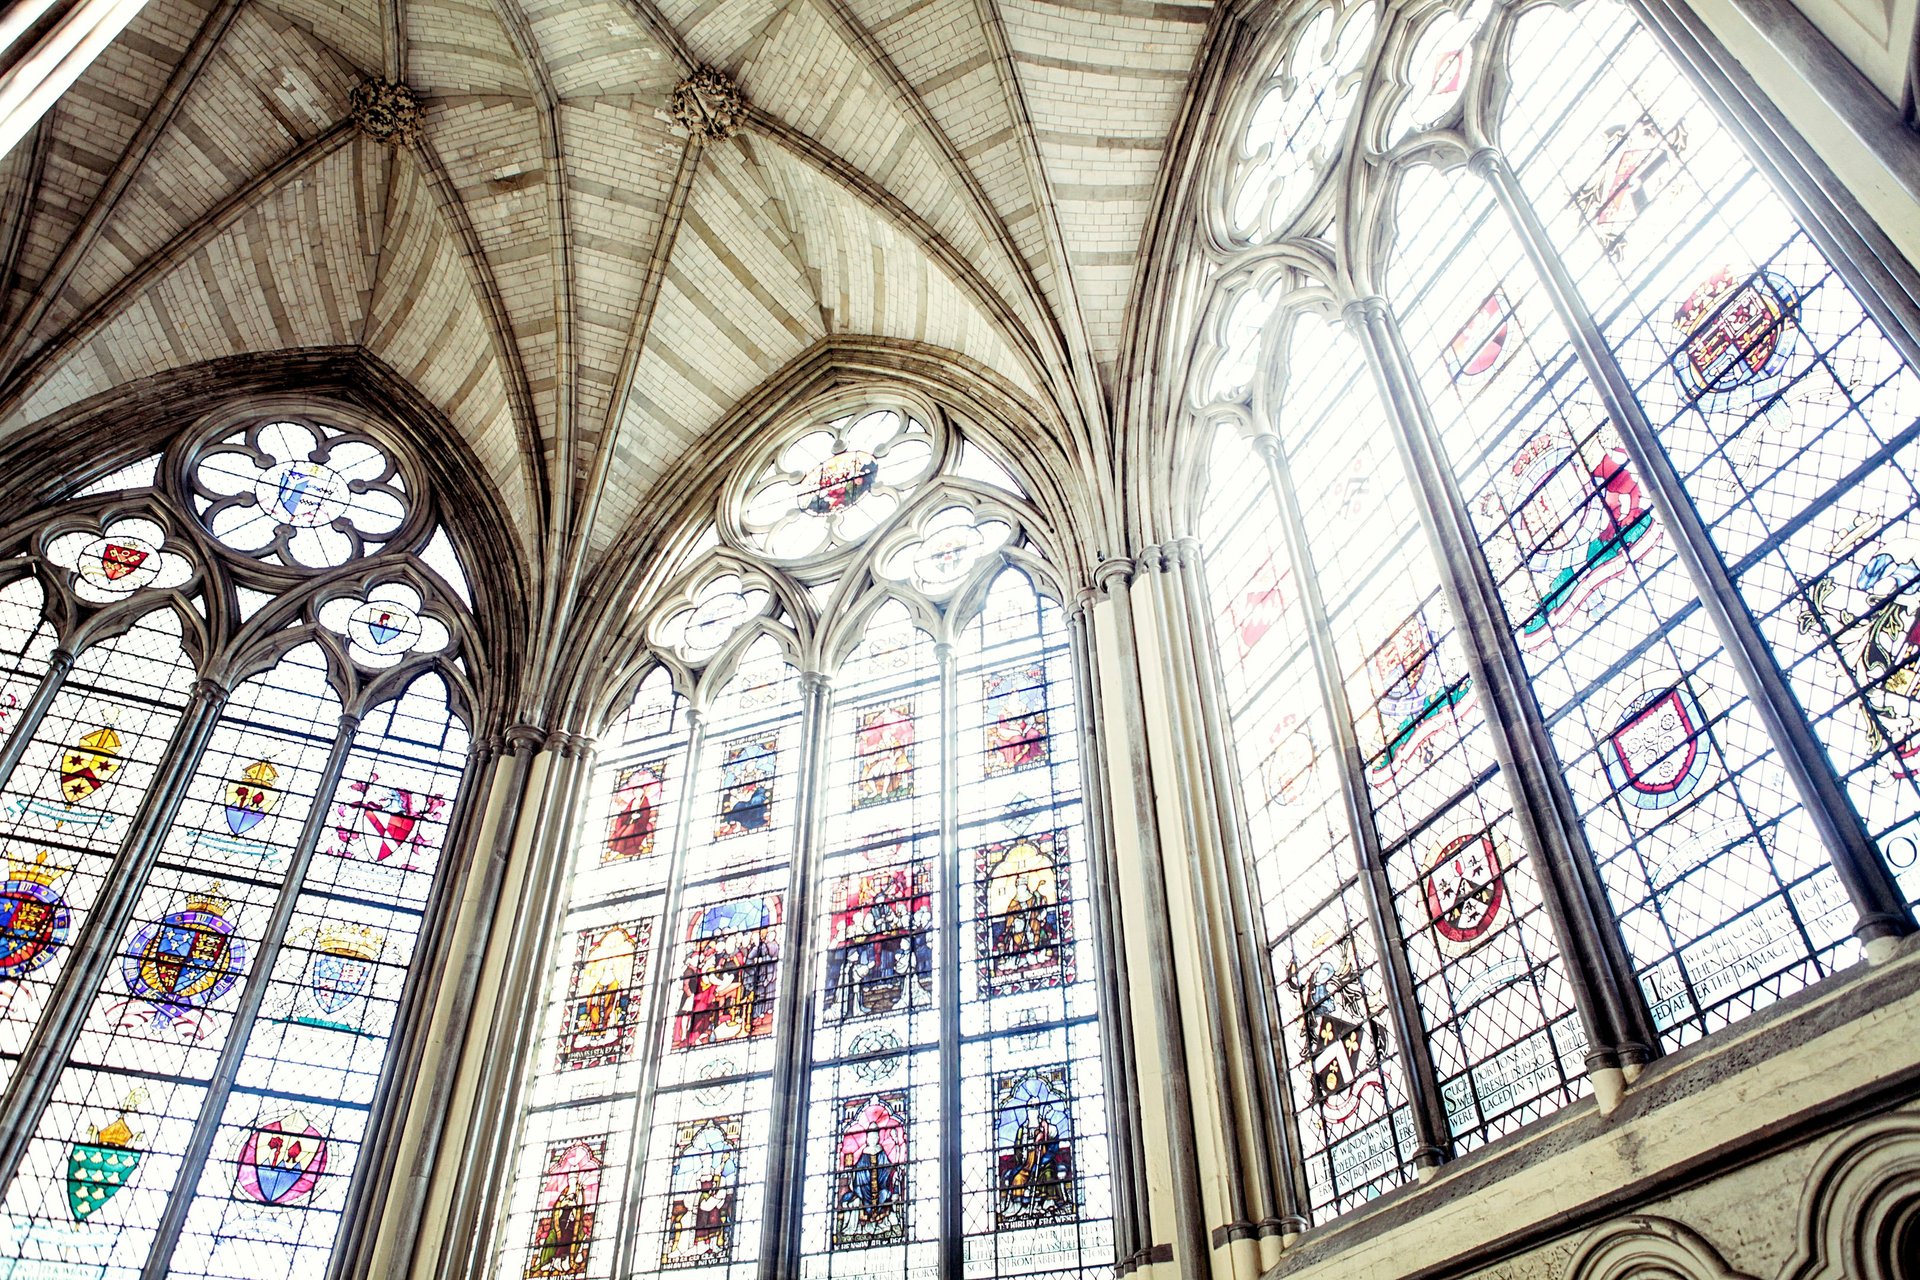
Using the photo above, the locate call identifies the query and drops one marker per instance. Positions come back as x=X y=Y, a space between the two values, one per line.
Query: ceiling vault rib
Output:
x=672 y=219
x=559 y=482
x=663 y=32
x=526 y=422
x=393 y=40
x=938 y=248
x=20 y=199
x=1086 y=383
x=205 y=41
x=792 y=247
x=184 y=244
x=857 y=34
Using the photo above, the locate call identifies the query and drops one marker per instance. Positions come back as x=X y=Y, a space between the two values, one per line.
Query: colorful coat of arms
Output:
x=251 y=797
x=1483 y=343
x=1465 y=888
x=281 y=1162
x=1641 y=160
x=89 y=764
x=98 y=1168
x=184 y=961
x=1658 y=751
x=1340 y=1031
x=33 y=916
x=383 y=822
x=1735 y=331
x=339 y=971
x=1414 y=695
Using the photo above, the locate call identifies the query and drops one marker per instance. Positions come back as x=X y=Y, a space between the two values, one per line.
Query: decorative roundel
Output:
x=384 y=625
x=186 y=959
x=33 y=917
x=714 y=620
x=1292 y=135
x=836 y=483
x=719 y=609
x=130 y=555
x=1438 y=69
x=949 y=546
x=1736 y=331
x=302 y=494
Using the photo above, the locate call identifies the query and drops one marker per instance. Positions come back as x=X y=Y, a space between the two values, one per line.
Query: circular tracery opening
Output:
x=304 y=495
x=836 y=484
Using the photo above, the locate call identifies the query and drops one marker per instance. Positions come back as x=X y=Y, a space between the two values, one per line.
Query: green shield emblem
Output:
x=95 y=1170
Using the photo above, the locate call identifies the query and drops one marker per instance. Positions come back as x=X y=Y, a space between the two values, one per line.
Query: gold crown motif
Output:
x=209 y=901
x=353 y=940
x=40 y=871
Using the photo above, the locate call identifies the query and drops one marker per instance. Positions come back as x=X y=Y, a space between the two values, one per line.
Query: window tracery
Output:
x=1638 y=622
x=233 y=742
x=823 y=977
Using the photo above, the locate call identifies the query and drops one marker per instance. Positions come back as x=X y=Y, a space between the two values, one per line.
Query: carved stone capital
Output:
x=386 y=111
x=707 y=104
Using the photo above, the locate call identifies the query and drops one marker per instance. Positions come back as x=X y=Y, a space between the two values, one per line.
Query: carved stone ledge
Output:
x=707 y=104
x=386 y=111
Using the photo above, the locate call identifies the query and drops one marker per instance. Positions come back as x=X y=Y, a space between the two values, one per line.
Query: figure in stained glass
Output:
x=1465 y=889
x=634 y=830
x=181 y=963
x=1340 y=1030
x=702 y=1193
x=569 y=1197
x=33 y=915
x=100 y=1166
x=339 y=972
x=1414 y=696
x=281 y=1162
x=1025 y=920
x=381 y=823
x=1657 y=752
x=1016 y=720
x=870 y=1181
x=879 y=952
x=883 y=754
x=726 y=989
x=1641 y=160
x=1579 y=517
x=1033 y=1148
x=1735 y=331
x=1865 y=603
x=746 y=786
x=602 y=1008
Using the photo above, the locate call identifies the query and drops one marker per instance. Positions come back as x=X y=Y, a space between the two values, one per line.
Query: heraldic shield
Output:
x=280 y=1163
x=96 y=1170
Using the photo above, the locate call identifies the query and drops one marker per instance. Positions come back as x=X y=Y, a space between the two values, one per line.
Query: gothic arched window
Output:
x=234 y=691
x=825 y=981
x=1559 y=530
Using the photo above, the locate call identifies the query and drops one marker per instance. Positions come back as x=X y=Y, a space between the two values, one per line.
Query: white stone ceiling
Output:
x=553 y=262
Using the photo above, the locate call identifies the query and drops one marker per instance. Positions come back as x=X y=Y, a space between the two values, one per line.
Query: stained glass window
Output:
x=857 y=892
x=255 y=857
x=1613 y=398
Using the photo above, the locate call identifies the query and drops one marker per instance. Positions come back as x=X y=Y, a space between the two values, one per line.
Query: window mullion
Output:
x=660 y=980
x=1618 y=1027
x=793 y=1048
x=28 y=721
x=98 y=945
x=1423 y=1086
x=272 y=940
x=1882 y=911
x=952 y=1222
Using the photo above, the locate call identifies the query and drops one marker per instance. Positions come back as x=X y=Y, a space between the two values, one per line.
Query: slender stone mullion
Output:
x=1132 y=1234
x=27 y=723
x=1285 y=1201
x=952 y=1222
x=1430 y=1129
x=98 y=945
x=363 y=1213
x=1882 y=913
x=793 y=1045
x=418 y=1179
x=486 y=1161
x=1168 y=612
x=1613 y=1013
x=1114 y=579
x=213 y=1102
x=660 y=981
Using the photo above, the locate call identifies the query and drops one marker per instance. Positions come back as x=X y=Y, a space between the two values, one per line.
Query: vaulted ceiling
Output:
x=553 y=261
